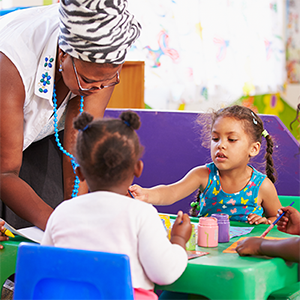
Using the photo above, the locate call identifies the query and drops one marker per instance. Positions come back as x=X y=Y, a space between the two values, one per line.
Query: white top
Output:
x=28 y=37
x=109 y=222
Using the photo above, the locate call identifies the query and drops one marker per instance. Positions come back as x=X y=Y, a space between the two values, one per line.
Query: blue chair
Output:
x=45 y=272
x=9 y=10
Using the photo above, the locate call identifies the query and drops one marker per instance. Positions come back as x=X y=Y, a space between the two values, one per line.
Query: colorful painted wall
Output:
x=208 y=54
x=293 y=41
x=273 y=104
x=201 y=54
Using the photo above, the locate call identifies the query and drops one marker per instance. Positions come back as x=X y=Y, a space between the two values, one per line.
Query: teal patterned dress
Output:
x=238 y=205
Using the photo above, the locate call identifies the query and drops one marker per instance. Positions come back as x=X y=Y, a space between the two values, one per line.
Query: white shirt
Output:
x=28 y=38
x=109 y=222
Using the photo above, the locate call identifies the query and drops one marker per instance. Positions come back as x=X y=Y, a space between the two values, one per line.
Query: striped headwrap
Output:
x=99 y=31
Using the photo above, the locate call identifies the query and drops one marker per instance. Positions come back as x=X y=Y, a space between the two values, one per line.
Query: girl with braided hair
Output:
x=228 y=184
x=108 y=152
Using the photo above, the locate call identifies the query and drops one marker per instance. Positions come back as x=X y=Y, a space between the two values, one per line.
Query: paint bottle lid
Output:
x=208 y=221
x=222 y=218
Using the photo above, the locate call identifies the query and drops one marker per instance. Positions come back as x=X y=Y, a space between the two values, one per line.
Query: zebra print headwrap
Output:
x=99 y=31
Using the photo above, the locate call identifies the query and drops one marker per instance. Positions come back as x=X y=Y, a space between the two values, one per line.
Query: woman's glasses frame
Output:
x=94 y=87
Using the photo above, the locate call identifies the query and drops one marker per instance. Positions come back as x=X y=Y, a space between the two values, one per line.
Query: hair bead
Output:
x=265 y=133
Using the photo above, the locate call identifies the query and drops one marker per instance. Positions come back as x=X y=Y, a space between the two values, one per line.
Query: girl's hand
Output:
x=181 y=230
x=3 y=237
x=290 y=222
x=249 y=246
x=256 y=219
x=139 y=192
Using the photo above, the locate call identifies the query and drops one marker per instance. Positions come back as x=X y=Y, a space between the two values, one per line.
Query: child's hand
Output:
x=138 y=192
x=249 y=246
x=290 y=222
x=3 y=237
x=256 y=219
x=181 y=230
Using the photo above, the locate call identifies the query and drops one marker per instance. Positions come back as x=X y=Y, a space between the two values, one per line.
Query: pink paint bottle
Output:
x=208 y=232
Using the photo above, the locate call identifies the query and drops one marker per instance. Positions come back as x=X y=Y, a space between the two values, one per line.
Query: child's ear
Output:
x=138 y=168
x=255 y=148
x=79 y=173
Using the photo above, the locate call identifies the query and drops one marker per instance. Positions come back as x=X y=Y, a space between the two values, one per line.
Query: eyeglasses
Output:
x=101 y=87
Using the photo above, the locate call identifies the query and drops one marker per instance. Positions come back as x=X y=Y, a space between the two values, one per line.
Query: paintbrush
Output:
x=274 y=223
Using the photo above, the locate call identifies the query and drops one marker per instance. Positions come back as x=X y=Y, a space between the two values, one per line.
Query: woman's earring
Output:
x=60 y=68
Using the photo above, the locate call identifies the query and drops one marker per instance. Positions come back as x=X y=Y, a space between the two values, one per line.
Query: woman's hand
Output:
x=290 y=222
x=256 y=219
x=139 y=192
x=3 y=237
x=249 y=246
x=181 y=230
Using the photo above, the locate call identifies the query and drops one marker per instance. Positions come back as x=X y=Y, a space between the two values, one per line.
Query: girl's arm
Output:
x=14 y=191
x=169 y=194
x=95 y=104
x=270 y=201
x=288 y=249
x=163 y=261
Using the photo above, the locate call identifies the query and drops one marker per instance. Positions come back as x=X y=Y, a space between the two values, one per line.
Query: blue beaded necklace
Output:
x=74 y=164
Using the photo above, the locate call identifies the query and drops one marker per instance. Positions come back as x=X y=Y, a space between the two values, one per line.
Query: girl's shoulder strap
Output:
x=211 y=167
x=257 y=177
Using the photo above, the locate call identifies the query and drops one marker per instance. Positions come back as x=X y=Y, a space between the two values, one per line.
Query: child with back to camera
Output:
x=108 y=152
x=228 y=184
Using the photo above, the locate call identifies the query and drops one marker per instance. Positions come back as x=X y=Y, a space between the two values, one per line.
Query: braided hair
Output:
x=252 y=125
x=107 y=149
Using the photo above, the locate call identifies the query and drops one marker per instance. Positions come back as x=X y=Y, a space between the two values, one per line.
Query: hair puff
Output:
x=131 y=118
x=82 y=120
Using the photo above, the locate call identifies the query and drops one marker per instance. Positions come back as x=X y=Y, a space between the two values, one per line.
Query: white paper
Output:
x=33 y=233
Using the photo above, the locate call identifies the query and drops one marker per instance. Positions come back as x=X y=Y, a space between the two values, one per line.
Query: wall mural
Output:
x=273 y=104
x=206 y=54
x=200 y=54
x=293 y=41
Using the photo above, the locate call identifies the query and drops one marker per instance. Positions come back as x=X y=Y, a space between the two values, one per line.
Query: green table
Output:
x=221 y=275
x=8 y=257
x=217 y=275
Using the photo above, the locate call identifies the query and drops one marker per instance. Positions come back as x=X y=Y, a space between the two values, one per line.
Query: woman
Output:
x=54 y=60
